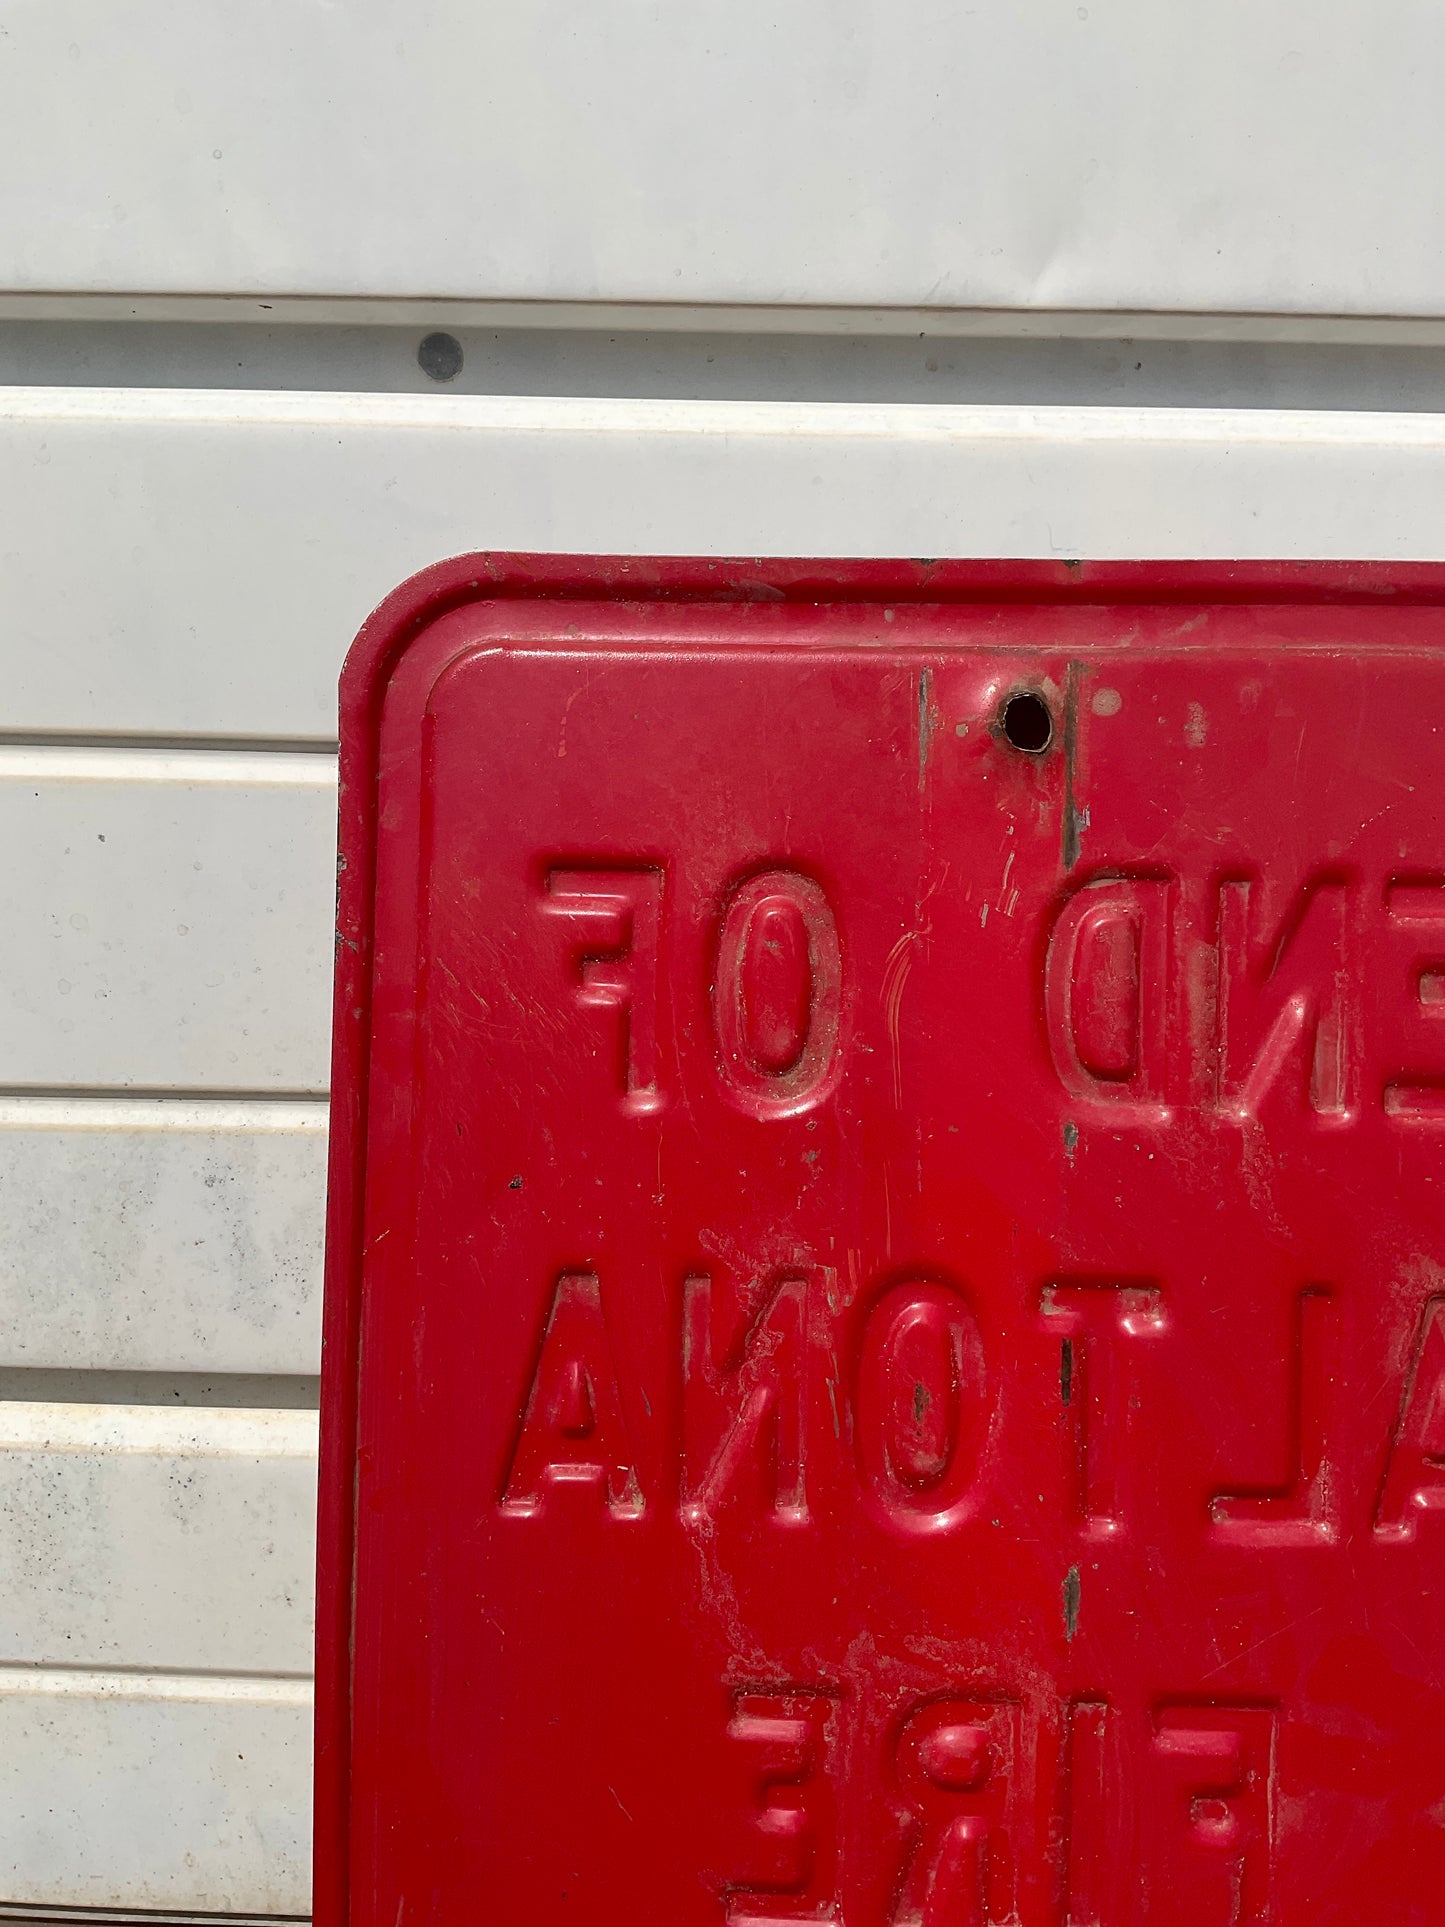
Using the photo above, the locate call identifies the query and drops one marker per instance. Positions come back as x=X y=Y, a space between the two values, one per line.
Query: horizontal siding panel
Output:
x=149 y=1536
x=168 y=919
x=1113 y=155
x=161 y=1235
x=234 y=542
x=128 y=1791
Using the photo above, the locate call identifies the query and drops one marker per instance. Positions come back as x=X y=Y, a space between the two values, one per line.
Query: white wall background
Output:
x=1119 y=153
x=1057 y=280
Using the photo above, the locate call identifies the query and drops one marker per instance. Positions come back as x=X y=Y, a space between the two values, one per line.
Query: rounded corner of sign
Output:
x=408 y=611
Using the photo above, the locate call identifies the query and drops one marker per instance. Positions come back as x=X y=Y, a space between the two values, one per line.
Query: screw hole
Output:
x=1027 y=723
x=440 y=356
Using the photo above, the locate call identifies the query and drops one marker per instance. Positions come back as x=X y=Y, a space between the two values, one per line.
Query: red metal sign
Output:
x=886 y=1349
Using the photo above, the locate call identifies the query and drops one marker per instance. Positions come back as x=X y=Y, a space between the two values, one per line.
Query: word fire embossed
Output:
x=984 y=1794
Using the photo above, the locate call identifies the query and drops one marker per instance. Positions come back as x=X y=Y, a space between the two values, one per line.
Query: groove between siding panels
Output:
x=1205 y=361
x=301 y=1101
x=756 y=323
x=212 y=1391
x=151 y=1917
x=173 y=1684
x=158 y=740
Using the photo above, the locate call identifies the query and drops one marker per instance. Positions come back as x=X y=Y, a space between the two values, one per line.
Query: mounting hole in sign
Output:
x=1026 y=723
x=440 y=357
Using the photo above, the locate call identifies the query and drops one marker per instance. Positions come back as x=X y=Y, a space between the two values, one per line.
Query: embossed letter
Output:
x=777 y=994
x=1414 y=1480
x=1097 y=1387
x=1303 y=1510
x=1416 y=909
x=791 y=1876
x=957 y=1768
x=747 y=1403
x=1105 y=992
x=618 y=914
x=1220 y=1763
x=1284 y=1001
x=573 y=1427
x=920 y=1414
x=1095 y=1876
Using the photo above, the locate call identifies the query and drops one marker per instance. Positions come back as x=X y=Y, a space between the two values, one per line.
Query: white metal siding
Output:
x=222 y=232
x=231 y=541
x=178 y=937
x=171 y=1235
x=154 y=1790
x=168 y=932
x=1114 y=154
x=124 y=1531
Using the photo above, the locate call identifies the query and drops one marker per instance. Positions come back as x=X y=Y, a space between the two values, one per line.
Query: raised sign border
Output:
x=476 y=580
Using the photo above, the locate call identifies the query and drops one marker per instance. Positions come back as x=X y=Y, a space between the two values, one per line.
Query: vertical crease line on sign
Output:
x=1071 y=744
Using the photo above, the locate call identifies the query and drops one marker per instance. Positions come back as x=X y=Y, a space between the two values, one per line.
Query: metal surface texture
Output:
x=885 y=1345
